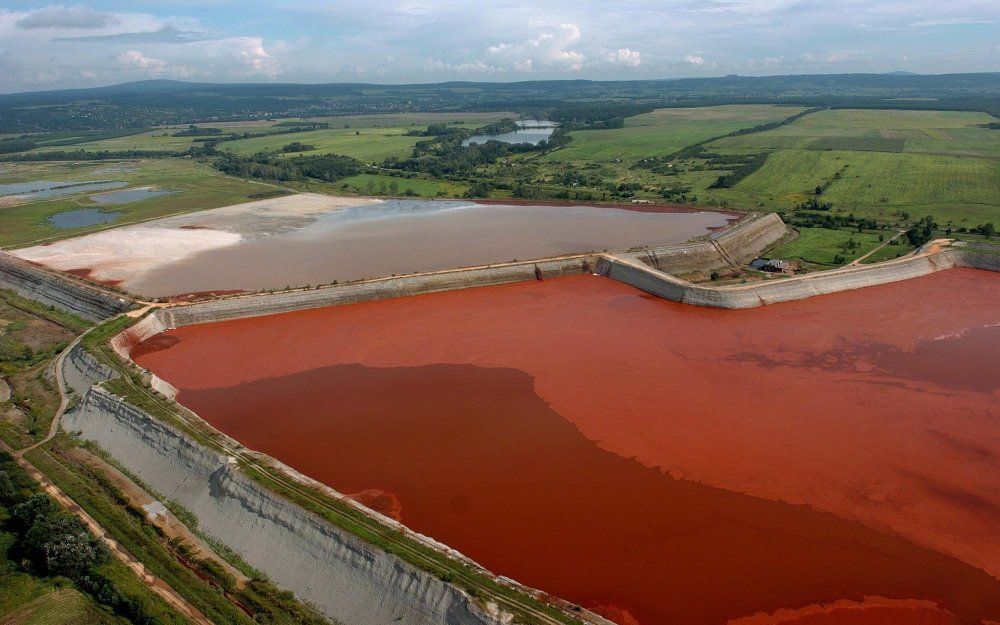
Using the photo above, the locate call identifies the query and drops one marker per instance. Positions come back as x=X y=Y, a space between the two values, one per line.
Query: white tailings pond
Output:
x=317 y=239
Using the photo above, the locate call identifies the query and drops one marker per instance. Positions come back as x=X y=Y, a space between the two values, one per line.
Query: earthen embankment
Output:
x=59 y=290
x=628 y=269
x=350 y=580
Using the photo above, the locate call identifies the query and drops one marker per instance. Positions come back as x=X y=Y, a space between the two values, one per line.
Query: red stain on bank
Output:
x=541 y=429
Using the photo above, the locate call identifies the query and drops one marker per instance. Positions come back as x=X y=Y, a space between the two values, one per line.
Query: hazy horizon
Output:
x=52 y=46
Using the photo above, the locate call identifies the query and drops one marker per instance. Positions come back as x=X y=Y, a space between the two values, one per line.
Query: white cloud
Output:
x=548 y=49
x=136 y=59
x=625 y=56
x=255 y=57
x=694 y=59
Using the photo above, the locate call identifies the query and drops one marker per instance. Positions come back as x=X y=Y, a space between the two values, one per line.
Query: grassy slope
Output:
x=64 y=606
x=876 y=184
x=664 y=131
x=199 y=187
x=820 y=245
x=422 y=187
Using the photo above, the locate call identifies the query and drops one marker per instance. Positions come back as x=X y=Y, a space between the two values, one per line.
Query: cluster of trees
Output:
x=16 y=144
x=777 y=124
x=46 y=541
x=195 y=131
x=296 y=146
x=831 y=221
x=433 y=130
x=922 y=231
x=86 y=155
x=813 y=204
x=328 y=167
x=597 y=115
x=749 y=165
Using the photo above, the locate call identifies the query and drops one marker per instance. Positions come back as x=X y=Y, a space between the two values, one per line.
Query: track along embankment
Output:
x=628 y=269
x=60 y=291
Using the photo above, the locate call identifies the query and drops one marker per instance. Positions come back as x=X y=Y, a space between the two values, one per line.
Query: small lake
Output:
x=82 y=217
x=54 y=188
x=128 y=195
x=531 y=131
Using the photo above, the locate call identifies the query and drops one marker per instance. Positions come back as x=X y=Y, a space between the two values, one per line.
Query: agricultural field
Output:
x=664 y=131
x=413 y=121
x=159 y=139
x=62 y=606
x=957 y=190
x=365 y=144
x=935 y=132
x=196 y=186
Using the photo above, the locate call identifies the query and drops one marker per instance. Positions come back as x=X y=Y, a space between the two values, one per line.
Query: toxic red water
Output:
x=827 y=461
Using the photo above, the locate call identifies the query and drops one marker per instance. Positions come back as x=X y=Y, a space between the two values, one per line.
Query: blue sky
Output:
x=49 y=46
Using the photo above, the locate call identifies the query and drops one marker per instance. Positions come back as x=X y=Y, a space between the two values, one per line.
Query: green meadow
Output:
x=664 y=131
x=959 y=190
x=935 y=132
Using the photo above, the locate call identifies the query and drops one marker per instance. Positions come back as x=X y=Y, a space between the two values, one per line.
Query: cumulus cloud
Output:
x=255 y=57
x=74 y=17
x=694 y=59
x=625 y=56
x=550 y=48
x=137 y=60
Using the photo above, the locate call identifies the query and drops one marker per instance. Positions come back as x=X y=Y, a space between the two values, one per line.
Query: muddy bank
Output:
x=813 y=402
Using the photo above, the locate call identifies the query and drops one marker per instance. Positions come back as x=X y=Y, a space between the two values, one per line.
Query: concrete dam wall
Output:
x=628 y=269
x=380 y=288
x=725 y=249
x=348 y=579
x=60 y=291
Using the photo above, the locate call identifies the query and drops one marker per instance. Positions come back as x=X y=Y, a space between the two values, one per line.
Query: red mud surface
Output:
x=829 y=461
x=86 y=274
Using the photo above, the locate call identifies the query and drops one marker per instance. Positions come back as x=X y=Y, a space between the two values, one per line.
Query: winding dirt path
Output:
x=155 y=584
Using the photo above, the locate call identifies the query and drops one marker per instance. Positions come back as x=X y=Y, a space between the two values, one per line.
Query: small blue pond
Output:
x=82 y=217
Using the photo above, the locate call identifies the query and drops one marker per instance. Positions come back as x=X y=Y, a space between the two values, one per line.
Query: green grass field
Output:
x=371 y=184
x=664 y=131
x=820 y=246
x=374 y=131
x=365 y=144
x=413 y=121
x=936 y=132
x=960 y=190
x=198 y=187
x=160 y=139
x=63 y=606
